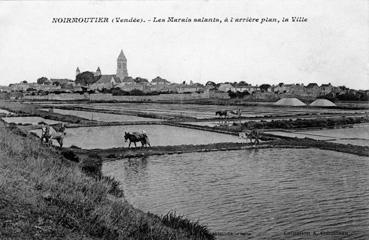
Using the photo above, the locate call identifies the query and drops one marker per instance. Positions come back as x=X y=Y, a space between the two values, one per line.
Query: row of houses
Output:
x=107 y=82
x=312 y=89
x=238 y=87
x=160 y=85
x=157 y=84
x=24 y=86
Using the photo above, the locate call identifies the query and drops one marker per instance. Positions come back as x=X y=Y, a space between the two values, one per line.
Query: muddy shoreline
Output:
x=112 y=154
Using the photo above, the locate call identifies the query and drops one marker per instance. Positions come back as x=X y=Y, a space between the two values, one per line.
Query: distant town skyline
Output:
x=331 y=47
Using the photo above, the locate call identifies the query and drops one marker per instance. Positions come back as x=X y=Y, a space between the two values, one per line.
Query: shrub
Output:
x=92 y=165
x=70 y=155
x=136 y=92
x=119 y=92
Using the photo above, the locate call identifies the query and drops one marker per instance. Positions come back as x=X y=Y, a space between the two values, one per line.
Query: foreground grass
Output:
x=44 y=196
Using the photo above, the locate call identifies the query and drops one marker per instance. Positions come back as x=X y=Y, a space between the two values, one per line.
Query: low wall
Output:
x=59 y=97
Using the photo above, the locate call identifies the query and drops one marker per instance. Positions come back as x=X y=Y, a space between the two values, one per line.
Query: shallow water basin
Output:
x=28 y=120
x=159 y=135
x=260 y=192
x=103 y=117
x=357 y=135
x=5 y=112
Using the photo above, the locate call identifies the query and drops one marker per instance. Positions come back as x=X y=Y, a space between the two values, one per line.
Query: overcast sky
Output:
x=333 y=46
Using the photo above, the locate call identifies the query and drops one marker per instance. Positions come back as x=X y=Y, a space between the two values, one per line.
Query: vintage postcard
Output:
x=184 y=119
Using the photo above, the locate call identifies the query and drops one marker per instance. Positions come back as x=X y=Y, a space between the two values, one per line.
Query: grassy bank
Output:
x=44 y=196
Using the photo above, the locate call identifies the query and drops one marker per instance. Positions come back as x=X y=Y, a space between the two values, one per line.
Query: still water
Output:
x=28 y=120
x=357 y=135
x=103 y=117
x=262 y=193
x=159 y=135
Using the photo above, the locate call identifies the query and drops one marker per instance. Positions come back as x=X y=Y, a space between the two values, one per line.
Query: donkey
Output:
x=222 y=113
x=137 y=137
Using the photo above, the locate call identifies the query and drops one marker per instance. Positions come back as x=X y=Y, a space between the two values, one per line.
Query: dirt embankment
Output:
x=123 y=152
x=112 y=154
x=324 y=145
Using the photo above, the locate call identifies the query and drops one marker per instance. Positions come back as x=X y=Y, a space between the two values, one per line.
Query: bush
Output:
x=136 y=92
x=70 y=155
x=153 y=93
x=238 y=94
x=104 y=90
x=353 y=96
x=114 y=186
x=119 y=92
x=92 y=165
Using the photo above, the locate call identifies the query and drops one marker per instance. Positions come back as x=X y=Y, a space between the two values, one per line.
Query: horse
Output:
x=48 y=133
x=136 y=137
x=236 y=112
x=253 y=134
x=221 y=113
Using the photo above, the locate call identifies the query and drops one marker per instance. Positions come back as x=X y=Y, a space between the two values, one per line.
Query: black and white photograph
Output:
x=184 y=120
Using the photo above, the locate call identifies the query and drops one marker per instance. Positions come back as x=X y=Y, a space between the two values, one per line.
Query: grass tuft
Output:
x=171 y=219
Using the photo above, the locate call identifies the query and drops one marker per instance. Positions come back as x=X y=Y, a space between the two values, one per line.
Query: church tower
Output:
x=98 y=72
x=122 y=66
x=77 y=71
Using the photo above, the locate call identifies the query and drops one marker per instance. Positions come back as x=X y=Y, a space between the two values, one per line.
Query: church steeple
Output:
x=98 y=72
x=122 y=71
x=77 y=71
x=122 y=56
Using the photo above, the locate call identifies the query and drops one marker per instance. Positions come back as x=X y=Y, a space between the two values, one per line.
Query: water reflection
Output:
x=136 y=167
